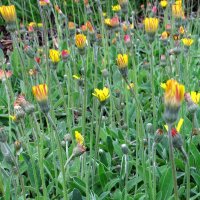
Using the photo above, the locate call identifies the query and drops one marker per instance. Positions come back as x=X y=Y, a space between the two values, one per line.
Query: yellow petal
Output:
x=179 y=125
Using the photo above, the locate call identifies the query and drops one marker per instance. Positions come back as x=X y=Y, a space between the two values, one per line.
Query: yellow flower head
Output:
x=116 y=8
x=80 y=41
x=177 y=11
x=40 y=92
x=32 y=24
x=101 y=95
x=13 y=118
x=195 y=96
x=40 y=25
x=187 y=41
x=181 y=30
x=122 y=60
x=164 y=35
x=151 y=25
x=174 y=93
x=107 y=21
x=104 y=14
x=76 y=77
x=54 y=55
x=163 y=3
x=8 y=13
x=178 y=2
x=79 y=138
x=131 y=85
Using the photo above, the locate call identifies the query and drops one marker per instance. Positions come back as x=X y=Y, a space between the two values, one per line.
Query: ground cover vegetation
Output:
x=99 y=100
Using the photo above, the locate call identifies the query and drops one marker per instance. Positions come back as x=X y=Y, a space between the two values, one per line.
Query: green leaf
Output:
x=102 y=175
x=110 y=145
x=166 y=184
x=76 y=195
x=195 y=152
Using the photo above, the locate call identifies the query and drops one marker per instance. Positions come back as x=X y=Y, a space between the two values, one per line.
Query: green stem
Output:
x=60 y=155
x=171 y=157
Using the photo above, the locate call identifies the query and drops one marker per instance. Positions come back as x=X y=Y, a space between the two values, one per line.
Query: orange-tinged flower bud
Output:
x=122 y=60
x=54 y=55
x=151 y=25
x=177 y=11
x=8 y=13
x=40 y=92
x=174 y=93
x=80 y=41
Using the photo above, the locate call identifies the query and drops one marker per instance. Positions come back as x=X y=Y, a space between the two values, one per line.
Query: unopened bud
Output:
x=67 y=138
x=124 y=148
x=17 y=145
x=19 y=112
x=78 y=150
x=177 y=141
x=149 y=127
x=158 y=136
x=105 y=73
x=29 y=51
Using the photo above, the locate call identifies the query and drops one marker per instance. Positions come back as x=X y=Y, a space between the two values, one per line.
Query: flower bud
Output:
x=105 y=73
x=79 y=150
x=124 y=148
x=29 y=51
x=67 y=138
x=158 y=136
x=17 y=145
x=176 y=139
x=19 y=112
x=149 y=128
x=27 y=106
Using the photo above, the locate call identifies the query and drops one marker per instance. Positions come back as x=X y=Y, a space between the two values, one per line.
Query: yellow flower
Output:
x=32 y=24
x=8 y=13
x=104 y=14
x=40 y=25
x=163 y=3
x=40 y=92
x=107 y=21
x=76 y=77
x=195 y=97
x=163 y=86
x=54 y=55
x=116 y=8
x=177 y=11
x=187 y=41
x=79 y=138
x=164 y=35
x=181 y=30
x=80 y=41
x=122 y=60
x=178 y=2
x=174 y=93
x=101 y=95
x=131 y=85
x=151 y=25
x=179 y=125
x=13 y=118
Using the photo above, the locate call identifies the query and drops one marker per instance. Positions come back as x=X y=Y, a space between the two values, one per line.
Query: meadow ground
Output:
x=99 y=100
